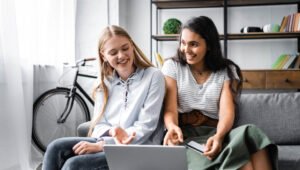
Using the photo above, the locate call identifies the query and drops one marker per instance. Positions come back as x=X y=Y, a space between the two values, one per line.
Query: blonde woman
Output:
x=128 y=102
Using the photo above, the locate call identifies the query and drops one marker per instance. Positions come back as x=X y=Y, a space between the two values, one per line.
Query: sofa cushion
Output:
x=289 y=157
x=277 y=114
x=83 y=129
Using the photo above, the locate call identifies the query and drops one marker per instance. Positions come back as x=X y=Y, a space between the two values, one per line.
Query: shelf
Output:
x=271 y=70
x=277 y=35
x=173 y=4
x=171 y=37
x=260 y=2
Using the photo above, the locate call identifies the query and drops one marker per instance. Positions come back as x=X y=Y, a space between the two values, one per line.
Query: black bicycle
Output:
x=58 y=112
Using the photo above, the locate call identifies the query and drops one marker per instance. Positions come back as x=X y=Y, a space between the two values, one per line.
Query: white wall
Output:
x=135 y=17
x=91 y=18
x=124 y=13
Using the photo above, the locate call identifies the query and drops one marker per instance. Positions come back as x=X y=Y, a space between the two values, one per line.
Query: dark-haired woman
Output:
x=202 y=92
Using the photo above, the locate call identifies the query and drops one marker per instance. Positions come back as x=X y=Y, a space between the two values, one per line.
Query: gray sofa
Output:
x=277 y=114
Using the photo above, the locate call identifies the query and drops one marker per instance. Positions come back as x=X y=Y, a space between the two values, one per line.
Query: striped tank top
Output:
x=193 y=96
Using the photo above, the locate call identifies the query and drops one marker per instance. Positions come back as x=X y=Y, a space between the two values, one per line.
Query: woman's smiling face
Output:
x=118 y=52
x=193 y=46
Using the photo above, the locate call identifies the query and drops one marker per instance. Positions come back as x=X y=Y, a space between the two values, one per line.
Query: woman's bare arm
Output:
x=174 y=134
x=225 y=123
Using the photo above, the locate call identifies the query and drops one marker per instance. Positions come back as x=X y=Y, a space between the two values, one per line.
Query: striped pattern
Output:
x=193 y=96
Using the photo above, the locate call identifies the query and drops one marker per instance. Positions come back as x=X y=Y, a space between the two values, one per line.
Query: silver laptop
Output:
x=145 y=157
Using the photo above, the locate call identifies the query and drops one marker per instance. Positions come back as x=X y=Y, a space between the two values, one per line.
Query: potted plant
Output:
x=172 y=26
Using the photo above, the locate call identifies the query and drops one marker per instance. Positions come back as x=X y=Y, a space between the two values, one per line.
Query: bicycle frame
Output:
x=75 y=86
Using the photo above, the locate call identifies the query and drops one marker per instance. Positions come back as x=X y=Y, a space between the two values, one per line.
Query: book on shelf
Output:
x=283 y=24
x=282 y=63
x=290 y=61
x=286 y=61
x=290 y=23
x=278 y=61
x=296 y=23
x=297 y=63
x=289 y=28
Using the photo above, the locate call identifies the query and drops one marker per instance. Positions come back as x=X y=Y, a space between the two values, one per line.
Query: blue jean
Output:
x=59 y=155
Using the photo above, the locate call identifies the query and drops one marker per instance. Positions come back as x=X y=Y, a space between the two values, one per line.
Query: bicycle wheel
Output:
x=46 y=111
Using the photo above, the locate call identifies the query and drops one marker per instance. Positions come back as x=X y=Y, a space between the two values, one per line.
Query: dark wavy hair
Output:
x=214 y=60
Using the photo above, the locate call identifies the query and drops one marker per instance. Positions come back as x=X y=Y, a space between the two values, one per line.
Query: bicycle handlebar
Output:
x=90 y=59
x=83 y=60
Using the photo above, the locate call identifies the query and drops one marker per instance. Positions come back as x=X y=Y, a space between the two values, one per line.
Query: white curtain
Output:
x=32 y=32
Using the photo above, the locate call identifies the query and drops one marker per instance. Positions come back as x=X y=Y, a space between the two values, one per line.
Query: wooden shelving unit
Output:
x=253 y=79
x=173 y=4
x=279 y=35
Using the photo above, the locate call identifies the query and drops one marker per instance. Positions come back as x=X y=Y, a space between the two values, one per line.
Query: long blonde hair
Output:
x=140 y=60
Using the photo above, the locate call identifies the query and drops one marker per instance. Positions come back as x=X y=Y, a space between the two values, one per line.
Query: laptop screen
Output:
x=145 y=157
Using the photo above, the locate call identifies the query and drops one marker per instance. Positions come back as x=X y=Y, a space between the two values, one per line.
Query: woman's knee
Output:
x=89 y=161
x=56 y=144
x=72 y=164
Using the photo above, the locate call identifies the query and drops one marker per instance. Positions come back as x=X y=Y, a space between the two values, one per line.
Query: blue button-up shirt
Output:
x=135 y=105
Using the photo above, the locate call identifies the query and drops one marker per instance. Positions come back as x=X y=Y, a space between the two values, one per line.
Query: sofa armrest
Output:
x=83 y=129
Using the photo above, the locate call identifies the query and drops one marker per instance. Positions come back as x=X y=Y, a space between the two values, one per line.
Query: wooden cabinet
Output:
x=253 y=79
x=271 y=79
x=282 y=79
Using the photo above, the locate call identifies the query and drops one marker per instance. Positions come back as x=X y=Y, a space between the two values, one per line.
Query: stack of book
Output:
x=287 y=61
x=290 y=23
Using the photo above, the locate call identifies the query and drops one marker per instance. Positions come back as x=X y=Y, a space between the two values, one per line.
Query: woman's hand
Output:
x=213 y=147
x=85 y=147
x=173 y=136
x=121 y=136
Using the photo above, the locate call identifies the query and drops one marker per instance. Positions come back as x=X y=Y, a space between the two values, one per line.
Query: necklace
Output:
x=200 y=76
x=198 y=72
